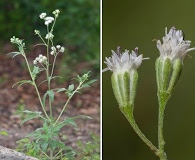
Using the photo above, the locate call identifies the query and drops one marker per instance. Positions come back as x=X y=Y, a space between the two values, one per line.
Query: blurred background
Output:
x=136 y=23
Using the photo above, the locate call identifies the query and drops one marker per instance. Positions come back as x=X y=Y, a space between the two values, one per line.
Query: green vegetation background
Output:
x=136 y=23
x=78 y=26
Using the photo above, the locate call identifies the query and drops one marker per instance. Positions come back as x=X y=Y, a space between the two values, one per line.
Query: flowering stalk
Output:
x=46 y=139
x=40 y=59
x=168 y=70
x=49 y=37
x=124 y=83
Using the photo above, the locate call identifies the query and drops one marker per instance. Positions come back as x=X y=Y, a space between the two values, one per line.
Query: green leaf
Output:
x=50 y=93
x=70 y=121
x=44 y=146
x=50 y=79
x=87 y=84
x=71 y=87
x=31 y=115
x=4 y=133
x=82 y=117
x=57 y=144
x=35 y=71
x=61 y=90
x=70 y=90
x=20 y=83
x=14 y=54
x=70 y=154
x=45 y=126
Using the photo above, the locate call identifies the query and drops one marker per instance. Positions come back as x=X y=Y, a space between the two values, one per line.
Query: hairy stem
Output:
x=38 y=94
x=163 y=98
x=128 y=112
x=65 y=105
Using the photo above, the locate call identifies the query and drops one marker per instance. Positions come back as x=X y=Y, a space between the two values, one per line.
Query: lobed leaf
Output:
x=87 y=84
x=31 y=115
x=36 y=70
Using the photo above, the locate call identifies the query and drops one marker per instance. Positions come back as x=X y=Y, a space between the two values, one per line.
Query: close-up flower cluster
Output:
x=174 y=46
x=168 y=68
x=56 y=50
x=40 y=59
x=125 y=61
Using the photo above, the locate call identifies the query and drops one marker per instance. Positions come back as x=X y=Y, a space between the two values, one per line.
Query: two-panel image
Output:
x=97 y=80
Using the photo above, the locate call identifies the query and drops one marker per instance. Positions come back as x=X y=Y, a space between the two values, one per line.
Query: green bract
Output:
x=124 y=87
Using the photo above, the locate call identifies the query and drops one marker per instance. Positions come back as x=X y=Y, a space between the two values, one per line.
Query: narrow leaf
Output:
x=20 y=83
x=61 y=90
x=14 y=54
x=50 y=93
x=31 y=115
x=87 y=84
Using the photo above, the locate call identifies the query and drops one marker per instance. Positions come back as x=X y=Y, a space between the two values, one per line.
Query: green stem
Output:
x=36 y=87
x=48 y=77
x=128 y=112
x=53 y=66
x=163 y=98
x=65 y=105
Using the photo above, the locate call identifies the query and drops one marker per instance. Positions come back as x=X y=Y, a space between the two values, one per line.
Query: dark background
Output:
x=136 y=23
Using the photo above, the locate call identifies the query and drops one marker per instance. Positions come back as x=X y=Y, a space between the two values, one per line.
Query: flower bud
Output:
x=125 y=76
x=167 y=74
x=169 y=64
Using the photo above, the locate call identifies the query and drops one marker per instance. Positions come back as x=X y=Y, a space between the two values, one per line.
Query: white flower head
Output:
x=48 y=20
x=35 y=62
x=121 y=62
x=42 y=15
x=57 y=49
x=58 y=46
x=53 y=48
x=40 y=59
x=174 y=46
x=62 y=49
x=37 y=32
x=56 y=12
x=49 y=36
x=52 y=53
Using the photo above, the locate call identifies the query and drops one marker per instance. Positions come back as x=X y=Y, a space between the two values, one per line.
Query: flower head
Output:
x=42 y=15
x=56 y=12
x=174 y=46
x=40 y=59
x=48 y=20
x=37 y=32
x=121 y=62
x=56 y=50
x=170 y=63
x=49 y=36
